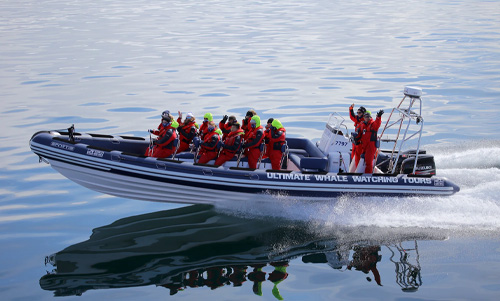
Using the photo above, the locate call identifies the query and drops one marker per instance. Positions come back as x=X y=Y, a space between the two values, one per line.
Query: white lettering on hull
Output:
x=355 y=179
x=331 y=178
x=62 y=146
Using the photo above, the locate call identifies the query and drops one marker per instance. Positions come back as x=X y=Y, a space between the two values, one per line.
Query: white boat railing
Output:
x=408 y=112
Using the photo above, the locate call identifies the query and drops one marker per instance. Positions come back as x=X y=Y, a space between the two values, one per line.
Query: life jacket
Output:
x=358 y=133
x=169 y=143
x=253 y=135
x=247 y=127
x=158 y=130
x=231 y=138
x=203 y=130
x=276 y=143
x=208 y=139
x=370 y=130
x=185 y=130
x=355 y=118
x=225 y=128
x=267 y=134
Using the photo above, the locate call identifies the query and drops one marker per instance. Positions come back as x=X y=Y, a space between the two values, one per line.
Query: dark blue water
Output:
x=113 y=66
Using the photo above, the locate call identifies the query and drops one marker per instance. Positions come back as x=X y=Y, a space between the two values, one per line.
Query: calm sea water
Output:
x=114 y=66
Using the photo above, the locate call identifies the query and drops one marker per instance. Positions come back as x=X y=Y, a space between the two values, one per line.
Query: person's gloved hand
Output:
x=224 y=119
x=151 y=131
x=380 y=113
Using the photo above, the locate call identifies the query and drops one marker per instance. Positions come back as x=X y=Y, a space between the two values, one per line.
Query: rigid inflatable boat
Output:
x=115 y=165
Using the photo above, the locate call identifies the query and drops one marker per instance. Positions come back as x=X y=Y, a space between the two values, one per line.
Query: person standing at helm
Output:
x=187 y=131
x=231 y=144
x=163 y=147
x=209 y=145
x=357 y=119
x=277 y=138
x=226 y=127
x=207 y=118
x=253 y=141
x=369 y=130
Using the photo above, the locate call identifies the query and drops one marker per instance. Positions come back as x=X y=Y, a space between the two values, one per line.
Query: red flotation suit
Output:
x=277 y=138
x=230 y=147
x=186 y=134
x=369 y=141
x=358 y=120
x=163 y=147
x=252 y=146
x=208 y=149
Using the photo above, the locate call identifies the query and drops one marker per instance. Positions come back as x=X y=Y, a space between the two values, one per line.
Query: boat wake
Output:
x=474 y=166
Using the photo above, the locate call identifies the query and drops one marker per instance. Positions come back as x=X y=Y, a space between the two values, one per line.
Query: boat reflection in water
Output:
x=198 y=246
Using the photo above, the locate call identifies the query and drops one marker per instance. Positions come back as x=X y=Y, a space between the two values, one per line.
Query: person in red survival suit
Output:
x=231 y=144
x=276 y=140
x=365 y=259
x=161 y=126
x=187 y=131
x=253 y=141
x=357 y=119
x=267 y=137
x=163 y=147
x=245 y=123
x=207 y=118
x=356 y=140
x=369 y=129
x=209 y=145
x=226 y=127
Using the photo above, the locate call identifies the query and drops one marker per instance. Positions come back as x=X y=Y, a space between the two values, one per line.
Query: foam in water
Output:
x=473 y=166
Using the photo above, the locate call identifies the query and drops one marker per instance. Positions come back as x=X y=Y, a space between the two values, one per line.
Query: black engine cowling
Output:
x=406 y=161
x=425 y=165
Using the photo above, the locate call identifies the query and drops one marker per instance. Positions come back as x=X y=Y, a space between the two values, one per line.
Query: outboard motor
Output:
x=425 y=165
x=406 y=162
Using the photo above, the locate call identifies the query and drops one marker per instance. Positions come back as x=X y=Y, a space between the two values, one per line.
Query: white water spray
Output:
x=474 y=166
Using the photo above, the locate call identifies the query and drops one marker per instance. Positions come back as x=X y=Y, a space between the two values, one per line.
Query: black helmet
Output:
x=251 y=113
x=165 y=113
x=362 y=109
x=270 y=120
